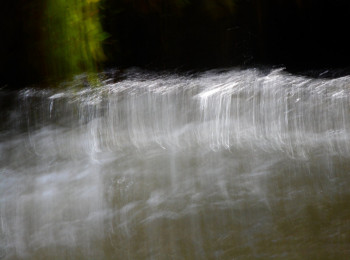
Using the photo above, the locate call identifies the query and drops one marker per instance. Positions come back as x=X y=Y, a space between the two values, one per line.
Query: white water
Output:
x=219 y=165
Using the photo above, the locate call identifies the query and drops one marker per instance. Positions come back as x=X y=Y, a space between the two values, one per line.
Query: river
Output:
x=221 y=164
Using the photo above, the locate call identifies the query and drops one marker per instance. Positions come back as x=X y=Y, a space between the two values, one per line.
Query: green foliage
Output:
x=73 y=37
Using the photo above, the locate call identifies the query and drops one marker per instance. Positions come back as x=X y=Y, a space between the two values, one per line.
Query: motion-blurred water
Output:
x=232 y=164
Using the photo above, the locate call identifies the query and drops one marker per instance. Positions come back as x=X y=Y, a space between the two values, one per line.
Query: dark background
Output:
x=301 y=35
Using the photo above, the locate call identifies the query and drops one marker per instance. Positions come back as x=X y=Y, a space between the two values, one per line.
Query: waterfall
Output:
x=223 y=164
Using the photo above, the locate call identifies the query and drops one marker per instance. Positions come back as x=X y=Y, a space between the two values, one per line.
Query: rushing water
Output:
x=234 y=164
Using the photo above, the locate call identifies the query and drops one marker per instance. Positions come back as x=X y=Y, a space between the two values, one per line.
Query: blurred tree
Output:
x=72 y=37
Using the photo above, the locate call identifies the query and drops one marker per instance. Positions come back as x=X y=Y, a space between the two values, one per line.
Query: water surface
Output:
x=223 y=164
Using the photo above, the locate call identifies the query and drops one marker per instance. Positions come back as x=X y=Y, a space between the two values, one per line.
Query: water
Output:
x=230 y=164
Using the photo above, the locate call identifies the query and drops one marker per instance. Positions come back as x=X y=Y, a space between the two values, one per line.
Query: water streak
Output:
x=233 y=164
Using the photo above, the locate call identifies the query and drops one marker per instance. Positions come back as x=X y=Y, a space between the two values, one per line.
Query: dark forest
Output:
x=174 y=34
